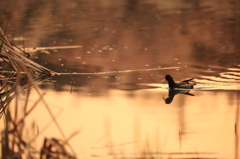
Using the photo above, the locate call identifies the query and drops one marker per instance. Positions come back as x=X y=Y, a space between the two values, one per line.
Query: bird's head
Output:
x=168 y=78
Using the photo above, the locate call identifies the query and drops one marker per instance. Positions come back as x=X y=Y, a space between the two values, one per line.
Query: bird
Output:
x=184 y=84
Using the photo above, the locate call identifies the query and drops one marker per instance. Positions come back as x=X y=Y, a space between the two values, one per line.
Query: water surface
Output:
x=114 y=56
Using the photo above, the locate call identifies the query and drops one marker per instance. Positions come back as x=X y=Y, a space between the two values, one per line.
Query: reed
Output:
x=19 y=74
x=14 y=69
x=15 y=139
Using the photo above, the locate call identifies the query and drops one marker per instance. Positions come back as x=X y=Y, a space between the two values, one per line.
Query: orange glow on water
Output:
x=120 y=124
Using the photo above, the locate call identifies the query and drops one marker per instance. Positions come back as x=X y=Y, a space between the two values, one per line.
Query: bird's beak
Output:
x=163 y=80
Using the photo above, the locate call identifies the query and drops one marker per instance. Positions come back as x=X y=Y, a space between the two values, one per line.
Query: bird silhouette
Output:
x=183 y=84
x=172 y=93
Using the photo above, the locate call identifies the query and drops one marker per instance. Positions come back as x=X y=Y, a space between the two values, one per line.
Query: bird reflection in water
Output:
x=172 y=92
x=183 y=87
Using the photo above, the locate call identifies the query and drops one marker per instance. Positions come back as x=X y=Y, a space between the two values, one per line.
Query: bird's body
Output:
x=183 y=84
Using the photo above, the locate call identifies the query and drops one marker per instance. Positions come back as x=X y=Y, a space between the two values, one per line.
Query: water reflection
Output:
x=172 y=92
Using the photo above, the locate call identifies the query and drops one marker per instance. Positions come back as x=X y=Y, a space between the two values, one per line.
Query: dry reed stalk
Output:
x=13 y=143
x=15 y=65
x=18 y=74
x=13 y=56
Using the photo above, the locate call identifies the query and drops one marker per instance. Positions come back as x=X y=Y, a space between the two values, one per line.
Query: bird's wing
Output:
x=188 y=80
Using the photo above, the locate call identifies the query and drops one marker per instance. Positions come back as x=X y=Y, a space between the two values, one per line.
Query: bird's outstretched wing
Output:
x=188 y=80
